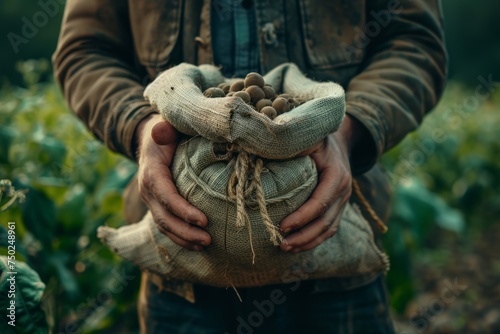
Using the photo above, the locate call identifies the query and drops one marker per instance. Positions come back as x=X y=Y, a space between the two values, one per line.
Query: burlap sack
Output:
x=177 y=94
x=245 y=196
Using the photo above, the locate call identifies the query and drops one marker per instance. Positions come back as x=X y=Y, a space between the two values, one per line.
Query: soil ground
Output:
x=458 y=288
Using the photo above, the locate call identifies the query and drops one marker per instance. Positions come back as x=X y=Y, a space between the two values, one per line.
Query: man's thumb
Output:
x=163 y=133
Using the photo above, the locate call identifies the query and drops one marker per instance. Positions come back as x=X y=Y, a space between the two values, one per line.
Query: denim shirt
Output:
x=234 y=37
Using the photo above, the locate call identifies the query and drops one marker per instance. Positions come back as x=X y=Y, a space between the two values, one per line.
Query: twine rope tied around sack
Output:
x=244 y=181
x=364 y=202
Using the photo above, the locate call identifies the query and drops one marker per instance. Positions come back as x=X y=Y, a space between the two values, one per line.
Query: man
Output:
x=388 y=55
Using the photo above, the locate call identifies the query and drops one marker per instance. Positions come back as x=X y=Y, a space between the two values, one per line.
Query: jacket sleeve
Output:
x=402 y=76
x=94 y=66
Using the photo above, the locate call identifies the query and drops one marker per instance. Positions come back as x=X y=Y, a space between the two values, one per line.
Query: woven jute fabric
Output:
x=178 y=95
x=237 y=167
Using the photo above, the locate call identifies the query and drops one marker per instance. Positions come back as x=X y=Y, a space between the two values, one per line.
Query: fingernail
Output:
x=200 y=223
x=287 y=248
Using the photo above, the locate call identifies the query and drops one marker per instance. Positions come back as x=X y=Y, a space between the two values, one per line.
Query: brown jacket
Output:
x=388 y=55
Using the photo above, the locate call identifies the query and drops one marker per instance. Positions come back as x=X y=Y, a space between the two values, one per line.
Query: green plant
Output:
x=73 y=185
x=21 y=295
x=445 y=177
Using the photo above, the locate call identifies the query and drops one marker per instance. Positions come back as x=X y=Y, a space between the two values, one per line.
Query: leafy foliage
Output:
x=73 y=185
x=29 y=317
x=445 y=178
x=10 y=194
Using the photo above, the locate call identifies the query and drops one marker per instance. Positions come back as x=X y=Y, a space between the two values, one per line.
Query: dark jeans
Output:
x=283 y=308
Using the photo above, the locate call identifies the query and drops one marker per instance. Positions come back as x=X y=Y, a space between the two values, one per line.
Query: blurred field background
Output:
x=444 y=228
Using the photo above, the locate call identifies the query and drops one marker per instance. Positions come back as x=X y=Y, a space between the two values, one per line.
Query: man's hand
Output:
x=318 y=218
x=175 y=217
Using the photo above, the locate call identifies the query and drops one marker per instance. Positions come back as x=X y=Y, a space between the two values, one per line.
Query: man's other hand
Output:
x=175 y=217
x=319 y=217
